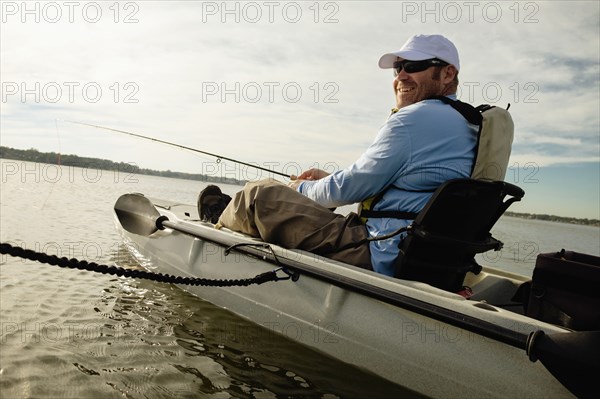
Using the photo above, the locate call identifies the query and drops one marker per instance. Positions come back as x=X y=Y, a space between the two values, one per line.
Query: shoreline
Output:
x=52 y=158
x=554 y=218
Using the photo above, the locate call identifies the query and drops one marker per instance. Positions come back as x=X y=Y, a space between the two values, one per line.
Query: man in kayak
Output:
x=422 y=144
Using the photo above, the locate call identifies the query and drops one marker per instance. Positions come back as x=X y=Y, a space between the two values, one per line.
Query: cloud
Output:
x=543 y=160
x=562 y=141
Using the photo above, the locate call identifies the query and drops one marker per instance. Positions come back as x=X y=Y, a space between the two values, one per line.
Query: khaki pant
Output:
x=280 y=215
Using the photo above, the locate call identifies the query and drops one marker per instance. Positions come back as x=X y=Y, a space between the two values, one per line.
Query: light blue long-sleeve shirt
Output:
x=417 y=149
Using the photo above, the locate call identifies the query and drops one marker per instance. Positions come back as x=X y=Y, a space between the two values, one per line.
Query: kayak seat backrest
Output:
x=494 y=144
x=451 y=229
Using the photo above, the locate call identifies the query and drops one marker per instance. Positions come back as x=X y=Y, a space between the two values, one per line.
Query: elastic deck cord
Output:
x=73 y=263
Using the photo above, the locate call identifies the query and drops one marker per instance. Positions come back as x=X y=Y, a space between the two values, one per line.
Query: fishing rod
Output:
x=219 y=157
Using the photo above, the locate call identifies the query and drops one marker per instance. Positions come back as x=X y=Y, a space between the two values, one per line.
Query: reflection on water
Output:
x=101 y=336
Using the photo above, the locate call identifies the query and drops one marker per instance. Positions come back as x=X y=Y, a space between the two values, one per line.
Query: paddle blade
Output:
x=136 y=214
x=573 y=358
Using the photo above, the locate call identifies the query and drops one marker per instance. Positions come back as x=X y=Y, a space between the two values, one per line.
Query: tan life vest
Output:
x=494 y=143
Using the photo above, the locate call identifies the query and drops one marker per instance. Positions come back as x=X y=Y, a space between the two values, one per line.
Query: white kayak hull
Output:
x=418 y=352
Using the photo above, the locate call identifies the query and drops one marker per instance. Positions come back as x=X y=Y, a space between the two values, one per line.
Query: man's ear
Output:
x=450 y=74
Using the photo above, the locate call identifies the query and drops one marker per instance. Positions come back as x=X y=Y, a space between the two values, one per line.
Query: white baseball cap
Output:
x=423 y=47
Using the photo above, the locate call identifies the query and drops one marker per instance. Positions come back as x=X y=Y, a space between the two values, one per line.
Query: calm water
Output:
x=67 y=333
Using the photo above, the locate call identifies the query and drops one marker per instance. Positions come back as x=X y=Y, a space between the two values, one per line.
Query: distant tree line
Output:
x=33 y=155
x=554 y=218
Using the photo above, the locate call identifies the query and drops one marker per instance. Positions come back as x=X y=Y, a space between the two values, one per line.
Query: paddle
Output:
x=572 y=358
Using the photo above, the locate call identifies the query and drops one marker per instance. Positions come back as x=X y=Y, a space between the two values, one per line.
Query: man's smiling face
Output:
x=411 y=88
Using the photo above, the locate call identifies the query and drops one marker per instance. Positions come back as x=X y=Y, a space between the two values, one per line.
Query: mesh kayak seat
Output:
x=452 y=228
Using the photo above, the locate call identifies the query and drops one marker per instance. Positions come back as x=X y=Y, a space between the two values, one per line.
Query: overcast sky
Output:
x=290 y=85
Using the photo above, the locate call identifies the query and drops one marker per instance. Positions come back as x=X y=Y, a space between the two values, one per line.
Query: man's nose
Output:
x=402 y=75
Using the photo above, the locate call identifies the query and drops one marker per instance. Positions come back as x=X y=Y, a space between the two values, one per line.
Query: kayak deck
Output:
x=492 y=286
x=399 y=344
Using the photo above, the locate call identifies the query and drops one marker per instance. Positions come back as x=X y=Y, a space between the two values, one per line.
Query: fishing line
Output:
x=217 y=156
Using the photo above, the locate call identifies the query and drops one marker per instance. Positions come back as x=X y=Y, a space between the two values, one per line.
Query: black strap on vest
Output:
x=469 y=112
x=367 y=213
x=370 y=213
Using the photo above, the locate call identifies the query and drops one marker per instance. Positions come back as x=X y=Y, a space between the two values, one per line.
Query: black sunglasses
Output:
x=416 y=66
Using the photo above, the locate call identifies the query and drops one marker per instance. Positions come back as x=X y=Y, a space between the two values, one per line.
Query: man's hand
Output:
x=311 y=174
